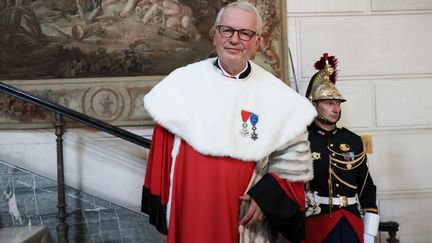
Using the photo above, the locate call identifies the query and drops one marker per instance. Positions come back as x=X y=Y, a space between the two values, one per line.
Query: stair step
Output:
x=25 y=234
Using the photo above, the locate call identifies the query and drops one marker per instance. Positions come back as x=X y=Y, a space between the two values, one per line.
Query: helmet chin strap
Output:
x=323 y=120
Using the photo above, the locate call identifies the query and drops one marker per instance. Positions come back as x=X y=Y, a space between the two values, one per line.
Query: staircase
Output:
x=29 y=214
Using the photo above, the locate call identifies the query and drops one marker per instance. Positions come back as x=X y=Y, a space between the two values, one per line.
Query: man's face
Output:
x=232 y=51
x=329 y=109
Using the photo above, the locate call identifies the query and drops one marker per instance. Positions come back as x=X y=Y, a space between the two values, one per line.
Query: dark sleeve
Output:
x=282 y=203
x=156 y=183
x=366 y=189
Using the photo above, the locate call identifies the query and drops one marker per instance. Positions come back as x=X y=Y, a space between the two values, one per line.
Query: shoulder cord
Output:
x=364 y=183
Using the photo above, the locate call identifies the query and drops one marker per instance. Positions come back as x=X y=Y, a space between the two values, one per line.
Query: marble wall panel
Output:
x=411 y=211
x=403 y=103
x=402 y=159
x=324 y=6
x=366 y=45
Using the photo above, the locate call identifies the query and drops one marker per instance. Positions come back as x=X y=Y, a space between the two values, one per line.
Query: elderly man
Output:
x=229 y=151
x=342 y=192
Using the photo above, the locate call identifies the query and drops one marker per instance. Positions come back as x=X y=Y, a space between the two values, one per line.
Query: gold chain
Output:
x=342 y=154
x=348 y=162
x=351 y=168
x=340 y=179
x=330 y=183
x=362 y=156
x=364 y=183
x=349 y=165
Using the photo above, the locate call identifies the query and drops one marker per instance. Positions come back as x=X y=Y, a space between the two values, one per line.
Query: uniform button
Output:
x=338 y=195
x=333 y=154
x=331 y=145
x=337 y=184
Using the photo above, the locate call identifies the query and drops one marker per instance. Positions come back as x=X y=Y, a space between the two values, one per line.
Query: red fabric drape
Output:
x=159 y=163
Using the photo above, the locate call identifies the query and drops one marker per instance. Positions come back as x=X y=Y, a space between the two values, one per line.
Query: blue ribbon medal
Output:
x=254 y=121
x=253 y=118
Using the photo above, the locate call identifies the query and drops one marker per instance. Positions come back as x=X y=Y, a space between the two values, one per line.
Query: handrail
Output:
x=75 y=115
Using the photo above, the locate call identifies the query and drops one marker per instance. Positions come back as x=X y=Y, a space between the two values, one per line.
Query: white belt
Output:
x=342 y=201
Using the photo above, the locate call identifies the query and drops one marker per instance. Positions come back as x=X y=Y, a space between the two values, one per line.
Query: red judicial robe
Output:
x=205 y=194
x=225 y=129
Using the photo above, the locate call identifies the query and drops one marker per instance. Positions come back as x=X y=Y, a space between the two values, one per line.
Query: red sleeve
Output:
x=155 y=193
x=159 y=163
x=295 y=190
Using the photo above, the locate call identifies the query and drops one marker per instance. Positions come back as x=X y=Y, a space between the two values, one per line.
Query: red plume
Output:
x=332 y=61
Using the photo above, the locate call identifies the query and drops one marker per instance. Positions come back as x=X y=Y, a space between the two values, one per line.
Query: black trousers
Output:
x=342 y=233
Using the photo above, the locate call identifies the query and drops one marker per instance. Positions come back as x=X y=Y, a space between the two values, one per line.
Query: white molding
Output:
x=398 y=194
x=401 y=5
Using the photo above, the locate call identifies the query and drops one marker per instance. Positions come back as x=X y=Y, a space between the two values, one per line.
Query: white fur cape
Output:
x=203 y=107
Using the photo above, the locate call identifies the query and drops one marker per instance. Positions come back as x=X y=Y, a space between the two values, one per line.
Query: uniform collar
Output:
x=241 y=75
x=322 y=132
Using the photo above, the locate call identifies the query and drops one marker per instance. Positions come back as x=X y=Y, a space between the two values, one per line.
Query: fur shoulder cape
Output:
x=218 y=115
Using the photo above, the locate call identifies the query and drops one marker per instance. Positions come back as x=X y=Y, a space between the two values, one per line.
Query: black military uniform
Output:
x=341 y=198
x=340 y=169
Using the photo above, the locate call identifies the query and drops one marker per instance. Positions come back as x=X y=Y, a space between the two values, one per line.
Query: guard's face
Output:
x=234 y=52
x=329 y=109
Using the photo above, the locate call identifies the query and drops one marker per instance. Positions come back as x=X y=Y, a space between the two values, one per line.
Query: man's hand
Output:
x=253 y=215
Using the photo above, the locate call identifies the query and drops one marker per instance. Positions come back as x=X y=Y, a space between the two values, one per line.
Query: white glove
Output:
x=312 y=207
x=368 y=238
x=371 y=223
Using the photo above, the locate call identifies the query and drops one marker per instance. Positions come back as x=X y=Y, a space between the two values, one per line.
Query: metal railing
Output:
x=60 y=112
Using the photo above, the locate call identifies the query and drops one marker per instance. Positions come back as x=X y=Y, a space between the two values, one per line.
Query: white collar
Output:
x=226 y=74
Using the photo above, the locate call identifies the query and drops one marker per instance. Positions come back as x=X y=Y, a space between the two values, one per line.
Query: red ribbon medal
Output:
x=245 y=117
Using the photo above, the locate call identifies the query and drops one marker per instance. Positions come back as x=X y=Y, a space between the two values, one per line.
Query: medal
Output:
x=344 y=147
x=253 y=118
x=316 y=155
x=349 y=157
x=254 y=121
x=245 y=116
x=346 y=157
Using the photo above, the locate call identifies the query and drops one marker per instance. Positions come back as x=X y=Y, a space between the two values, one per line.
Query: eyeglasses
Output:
x=243 y=34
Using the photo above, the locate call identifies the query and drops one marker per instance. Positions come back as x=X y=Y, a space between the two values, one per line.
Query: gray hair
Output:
x=245 y=6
